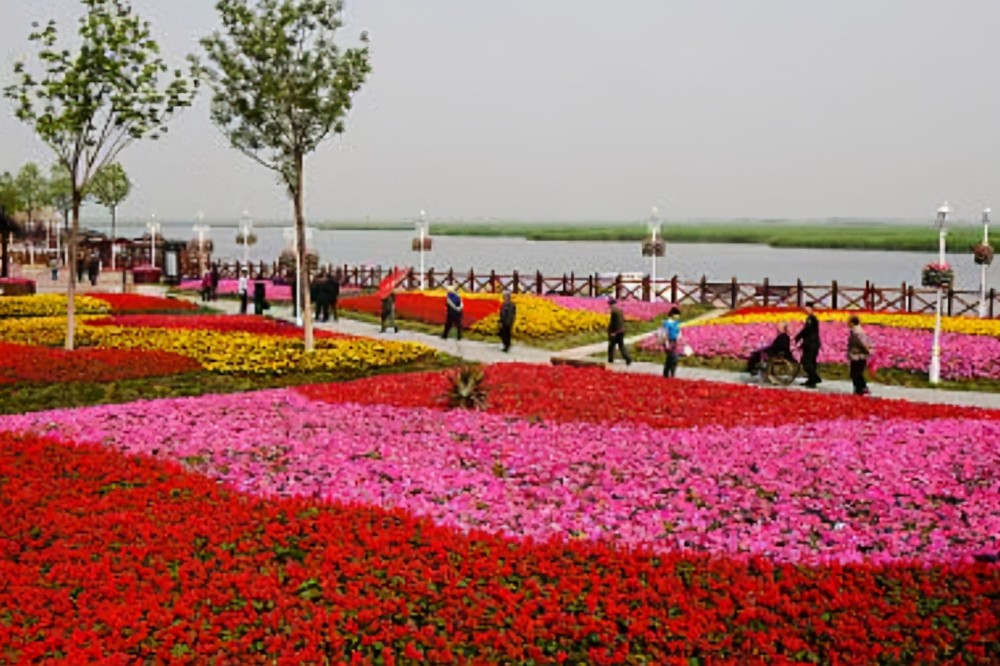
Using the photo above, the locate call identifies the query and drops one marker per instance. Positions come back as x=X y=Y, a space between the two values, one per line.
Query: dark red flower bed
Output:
x=423 y=307
x=131 y=303
x=223 y=323
x=110 y=559
x=24 y=363
x=595 y=395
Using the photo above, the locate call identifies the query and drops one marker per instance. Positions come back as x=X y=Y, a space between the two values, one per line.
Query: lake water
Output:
x=719 y=262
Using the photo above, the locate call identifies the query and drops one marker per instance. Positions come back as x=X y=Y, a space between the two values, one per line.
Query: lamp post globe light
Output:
x=653 y=227
x=246 y=228
x=154 y=227
x=983 y=266
x=422 y=233
x=934 y=374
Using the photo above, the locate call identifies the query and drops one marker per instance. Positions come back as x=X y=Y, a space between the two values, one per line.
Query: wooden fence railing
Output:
x=730 y=294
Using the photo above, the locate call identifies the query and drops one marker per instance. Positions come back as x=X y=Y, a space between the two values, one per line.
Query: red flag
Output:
x=392 y=281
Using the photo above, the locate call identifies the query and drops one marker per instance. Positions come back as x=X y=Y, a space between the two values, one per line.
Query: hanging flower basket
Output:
x=286 y=261
x=416 y=244
x=251 y=239
x=937 y=275
x=982 y=254
x=652 y=248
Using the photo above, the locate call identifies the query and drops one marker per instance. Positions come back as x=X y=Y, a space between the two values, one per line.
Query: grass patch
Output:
x=884 y=376
x=861 y=235
x=22 y=398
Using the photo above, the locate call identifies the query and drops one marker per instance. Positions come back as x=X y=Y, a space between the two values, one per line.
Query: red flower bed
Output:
x=24 y=363
x=429 y=309
x=595 y=395
x=110 y=559
x=130 y=303
x=223 y=323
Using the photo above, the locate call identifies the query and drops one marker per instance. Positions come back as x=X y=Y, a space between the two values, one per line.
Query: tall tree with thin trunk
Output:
x=109 y=188
x=90 y=101
x=61 y=192
x=281 y=86
x=33 y=189
x=10 y=203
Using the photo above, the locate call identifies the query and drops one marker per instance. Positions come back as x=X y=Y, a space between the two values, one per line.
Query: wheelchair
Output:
x=780 y=370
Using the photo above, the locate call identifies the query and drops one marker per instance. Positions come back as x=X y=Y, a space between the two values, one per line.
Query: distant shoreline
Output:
x=839 y=236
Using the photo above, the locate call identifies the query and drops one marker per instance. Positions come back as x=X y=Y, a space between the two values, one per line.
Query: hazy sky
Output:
x=577 y=109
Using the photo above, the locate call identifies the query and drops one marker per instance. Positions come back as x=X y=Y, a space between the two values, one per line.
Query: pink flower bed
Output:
x=827 y=491
x=963 y=356
x=634 y=310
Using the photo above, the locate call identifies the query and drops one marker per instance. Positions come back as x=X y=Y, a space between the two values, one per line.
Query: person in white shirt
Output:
x=243 y=288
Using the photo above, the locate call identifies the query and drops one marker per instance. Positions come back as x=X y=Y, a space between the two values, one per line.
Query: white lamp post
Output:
x=934 y=375
x=422 y=232
x=654 y=230
x=153 y=226
x=292 y=235
x=246 y=228
x=201 y=230
x=982 y=267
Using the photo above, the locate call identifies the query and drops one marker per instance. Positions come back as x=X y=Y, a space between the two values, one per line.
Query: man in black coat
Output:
x=508 y=313
x=808 y=339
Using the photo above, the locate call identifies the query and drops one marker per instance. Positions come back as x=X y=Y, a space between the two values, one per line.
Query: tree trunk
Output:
x=303 y=279
x=71 y=281
x=114 y=218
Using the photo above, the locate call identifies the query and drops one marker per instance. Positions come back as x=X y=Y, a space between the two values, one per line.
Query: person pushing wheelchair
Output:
x=780 y=346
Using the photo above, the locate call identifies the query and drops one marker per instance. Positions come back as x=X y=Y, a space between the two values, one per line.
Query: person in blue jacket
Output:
x=670 y=334
x=453 y=317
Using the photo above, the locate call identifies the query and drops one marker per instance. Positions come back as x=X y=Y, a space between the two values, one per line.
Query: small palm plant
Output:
x=467 y=388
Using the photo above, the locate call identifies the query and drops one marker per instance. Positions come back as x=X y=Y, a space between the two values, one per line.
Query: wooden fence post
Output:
x=618 y=286
x=538 y=282
x=798 y=293
x=767 y=292
x=565 y=282
x=646 y=285
x=902 y=291
x=673 y=290
x=451 y=276
x=704 y=288
x=516 y=287
x=493 y=281
x=993 y=297
x=951 y=295
x=472 y=281
x=590 y=286
x=833 y=294
x=733 y=299
x=572 y=283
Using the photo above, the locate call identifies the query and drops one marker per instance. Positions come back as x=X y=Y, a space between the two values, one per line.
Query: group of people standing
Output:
x=324 y=291
x=859 y=349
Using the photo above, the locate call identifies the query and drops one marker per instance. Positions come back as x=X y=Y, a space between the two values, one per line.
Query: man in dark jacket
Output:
x=389 y=312
x=616 y=333
x=780 y=346
x=319 y=291
x=453 y=316
x=508 y=313
x=808 y=339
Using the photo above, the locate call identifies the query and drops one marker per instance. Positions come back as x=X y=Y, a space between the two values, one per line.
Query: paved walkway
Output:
x=489 y=352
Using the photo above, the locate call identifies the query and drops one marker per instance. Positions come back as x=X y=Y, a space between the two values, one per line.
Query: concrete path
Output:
x=490 y=352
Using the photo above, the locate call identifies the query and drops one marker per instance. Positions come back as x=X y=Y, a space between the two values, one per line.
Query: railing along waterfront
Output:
x=729 y=294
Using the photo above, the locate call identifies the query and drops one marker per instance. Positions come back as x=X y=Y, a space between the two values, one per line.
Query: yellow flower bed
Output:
x=45 y=331
x=249 y=353
x=968 y=325
x=540 y=318
x=49 y=305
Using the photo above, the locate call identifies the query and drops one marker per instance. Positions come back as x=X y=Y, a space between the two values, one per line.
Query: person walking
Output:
x=243 y=287
x=508 y=313
x=616 y=333
x=334 y=284
x=808 y=339
x=81 y=266
x=671 y=336
x=215 y=281
x=93 y=268
x=389 y=312
x=859 y=348
x=453 y=316
x=54 y=267
x=319 y=291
